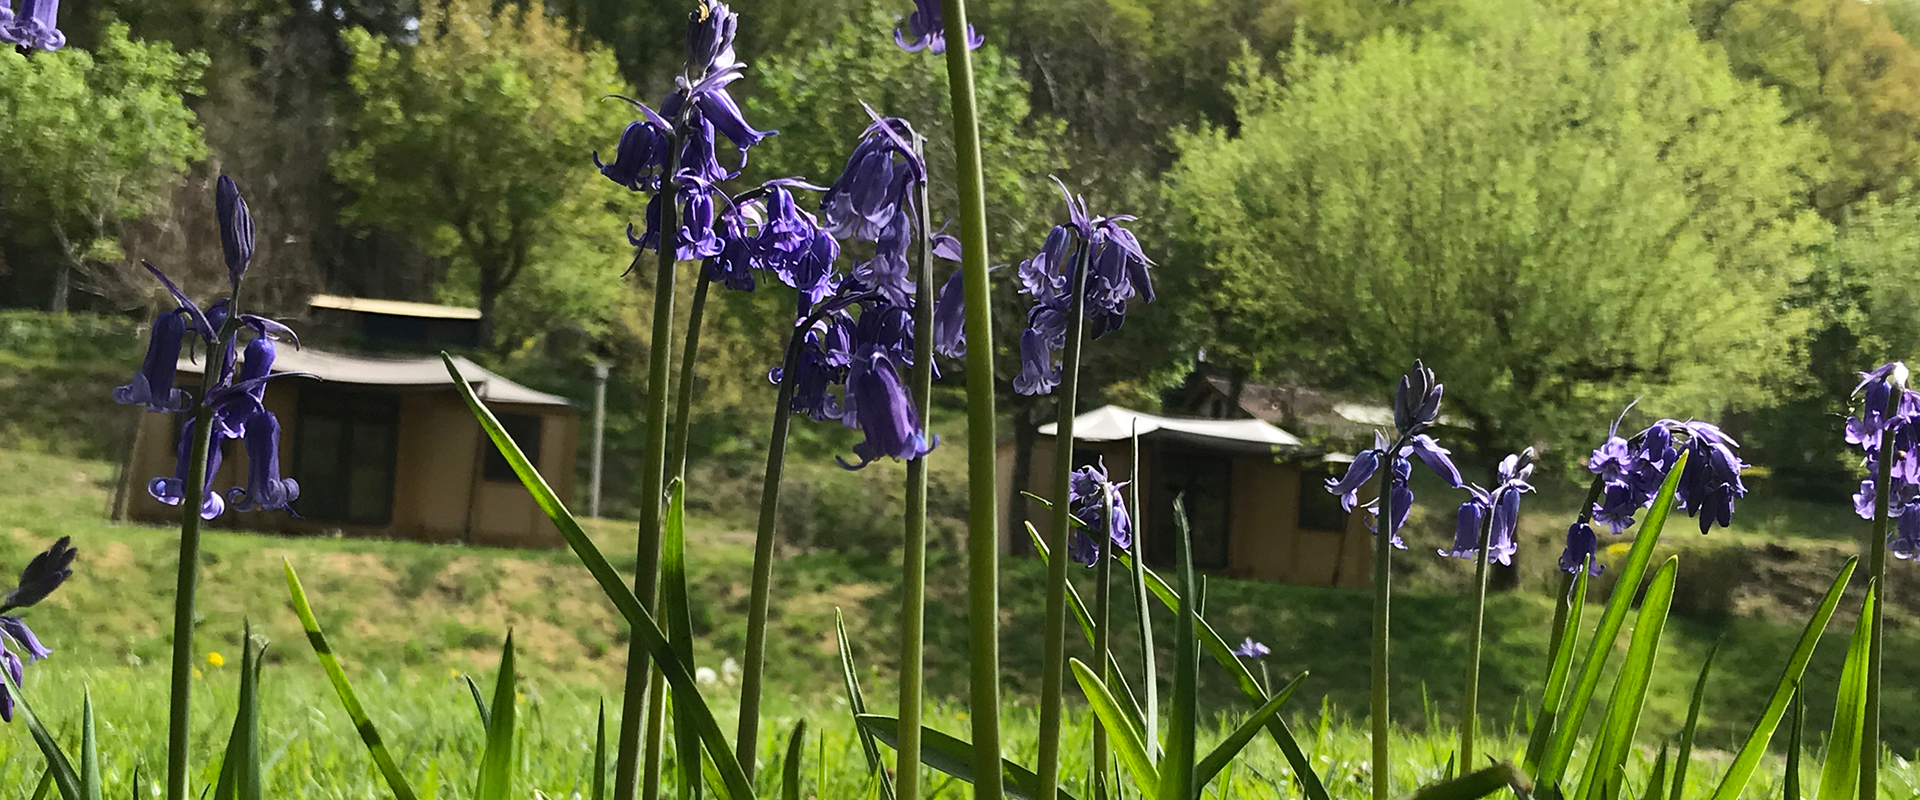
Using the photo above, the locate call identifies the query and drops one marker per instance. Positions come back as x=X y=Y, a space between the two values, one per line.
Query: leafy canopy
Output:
x=474 y=141
x=1578 y=205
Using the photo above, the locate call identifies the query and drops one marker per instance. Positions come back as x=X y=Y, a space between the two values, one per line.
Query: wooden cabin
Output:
x=1253 y=493
x=382 y=446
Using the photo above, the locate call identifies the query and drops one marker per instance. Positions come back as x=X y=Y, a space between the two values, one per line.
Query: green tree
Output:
x=1866 y=311
x=1576 y=206
x=1841 y=65
x=91 y=140
x=474 y=141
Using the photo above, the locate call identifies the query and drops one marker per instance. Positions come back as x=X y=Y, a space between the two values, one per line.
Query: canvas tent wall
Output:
x=1252 y=494
x=383 y=447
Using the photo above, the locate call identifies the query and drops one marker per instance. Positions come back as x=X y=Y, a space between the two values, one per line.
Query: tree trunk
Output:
x=62 y=286
x=1025 y=435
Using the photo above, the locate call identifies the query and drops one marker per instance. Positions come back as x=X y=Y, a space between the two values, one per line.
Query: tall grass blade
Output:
x=1229 y=748
x=857 y=703
x=600 y=753
x=1692 y=725
x=1092 y=631
x=645 y=629
x=46 y=785
x=1557 y=671
x=1840 y=776
x=1614 y=742
x=1657 y=782
x=1122 y=730
x=1176 y=768
x=954 y=756
x=90 y=753
x=1748 y=758
x=240 y=770
x=479 y=701
x=1222 y=653
x=790 y=771
x=1150 y=680
x=349 y=699
x=676 y=610
x=1554 y=764
x=64 y=777
x=1475 y=785
x=1792 y=779
x=495 y=781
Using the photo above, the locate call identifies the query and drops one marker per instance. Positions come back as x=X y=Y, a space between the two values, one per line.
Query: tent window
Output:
x=1203 y=481
x=343 y=455
x=1319 y=511
x=525 y=431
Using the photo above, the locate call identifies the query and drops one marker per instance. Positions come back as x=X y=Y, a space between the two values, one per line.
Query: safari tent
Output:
x=1252 y=493
x=382 y=446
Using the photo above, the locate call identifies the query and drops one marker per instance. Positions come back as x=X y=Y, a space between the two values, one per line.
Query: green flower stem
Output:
x=187 y=582
x=653 y=472
x=1151 y=680
x=1382 y=764
x=654 y=738
x=1053 y=663
x=1877 y=574
x=746 y=740
x=913 y=559
x=1470 y=715
x=689 y=358
x=1103 y=643
x=180 y=694
x=983 y=524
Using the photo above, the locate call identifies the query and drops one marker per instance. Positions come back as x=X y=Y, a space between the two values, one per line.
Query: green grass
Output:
x=409 y=618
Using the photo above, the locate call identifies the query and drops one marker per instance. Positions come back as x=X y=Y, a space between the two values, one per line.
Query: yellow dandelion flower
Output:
x=196 y=673
x=215 y=659
x=1618 y=549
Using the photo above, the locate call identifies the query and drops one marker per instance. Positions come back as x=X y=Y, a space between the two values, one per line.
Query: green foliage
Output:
x=1842 y=66
x=474 y=141
x=1541 y=212
x=91 y=140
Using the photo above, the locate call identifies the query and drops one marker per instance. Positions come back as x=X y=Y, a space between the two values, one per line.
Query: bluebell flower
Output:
x=926 y=30
x=1416 y=405
x=877 y=400
x=950 y=317
x=1416 y=401
x=1038 y=373
x=1888 y=408
x=34 y=26
x=888 y=271
x=234 y=405
x=1116 y=273
x=1249 y=648
x=1498 y=509
x=236 y=228
x=876 y=183
x=640 y=157
x=1089 y=496
x=1580 y=549
x=152 y=386
x=825 y=352
x=710 y=32
x=43 y=574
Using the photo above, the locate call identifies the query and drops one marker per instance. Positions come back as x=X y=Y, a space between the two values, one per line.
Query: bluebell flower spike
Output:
x=236 y=228
x=43 y=574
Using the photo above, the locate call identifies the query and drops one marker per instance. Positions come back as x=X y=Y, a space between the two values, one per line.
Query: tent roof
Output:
x=1113 y=423
x=412 y=372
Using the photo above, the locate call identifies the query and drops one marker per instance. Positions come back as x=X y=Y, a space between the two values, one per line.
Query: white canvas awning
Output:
x=404 y=372
x=1113 y=423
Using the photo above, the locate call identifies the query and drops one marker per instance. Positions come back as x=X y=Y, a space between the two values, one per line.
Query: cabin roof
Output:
x=1113 y=423
x=406 y=372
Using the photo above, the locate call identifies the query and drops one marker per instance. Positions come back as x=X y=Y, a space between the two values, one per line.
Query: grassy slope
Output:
x=410 y=617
